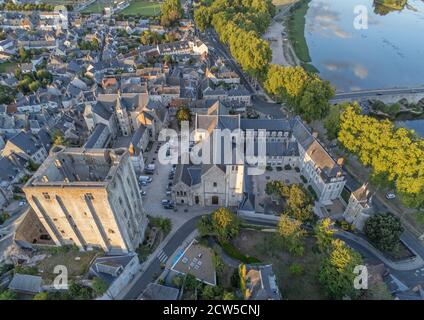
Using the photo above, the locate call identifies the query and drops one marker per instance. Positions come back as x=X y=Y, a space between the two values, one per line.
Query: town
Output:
x=96 y=204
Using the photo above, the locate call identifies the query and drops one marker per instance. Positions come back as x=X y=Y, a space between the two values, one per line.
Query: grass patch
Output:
x=297 y=276
x=418 y=218
x=75 y=261
x=142 y=8
x=7 y=67
x=96 y=7
x=236 y=254
x=296 y=30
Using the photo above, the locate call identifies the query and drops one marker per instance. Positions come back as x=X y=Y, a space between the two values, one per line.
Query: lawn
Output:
x=142 y=8
x=7 y=66
x=60 y=2
x=96 y=7
x=304 y=286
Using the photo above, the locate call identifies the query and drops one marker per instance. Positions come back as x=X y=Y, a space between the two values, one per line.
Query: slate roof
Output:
x=98 y=130
x=26 y=141
x=25 y=283
x=322 y=159
x=155 y=291
x=8 y=170
x=262 y=284
x=107 y=267
x=268 y=124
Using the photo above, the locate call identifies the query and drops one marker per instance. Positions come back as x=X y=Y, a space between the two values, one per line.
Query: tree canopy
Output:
x=222 y=223
x=239 y=25
x=298 y=201
x=336 y=273
x=171 y=11
x=384 y=230
x=305 y=93
x=291 y=234
x=395 y=155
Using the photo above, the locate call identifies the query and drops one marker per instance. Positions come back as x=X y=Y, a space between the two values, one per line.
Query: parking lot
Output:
x=156 y=192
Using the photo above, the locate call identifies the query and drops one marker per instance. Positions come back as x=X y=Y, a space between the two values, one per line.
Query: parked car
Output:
x=169 y=206
x=22 y=203
x=142 y=193
x=145 y=179
x=390 y=196
x=168 y=193
x=166 y=201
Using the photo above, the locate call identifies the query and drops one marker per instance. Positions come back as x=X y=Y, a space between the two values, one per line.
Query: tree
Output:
x=291 y=234
x=229 y=296
x=58 y=139
x=202 y=18
x=204 y=226
x=79 y=292
x=332 y=121
x=183 y=114
x=99 y=286
x=171 y=11
x=384 y=230
x=313 y=104
x=394 y=154
x=41 y=296
x=225 y=224
x=178 y=281
x=336 y=273
x=324 y=234
x=212 y=293
x=298 y=201
x=8 y=295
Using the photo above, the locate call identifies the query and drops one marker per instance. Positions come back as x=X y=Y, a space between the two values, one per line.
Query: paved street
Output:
x=154 y=269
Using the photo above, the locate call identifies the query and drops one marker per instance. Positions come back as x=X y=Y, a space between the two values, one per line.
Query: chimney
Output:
x=340 y=161
x=315 y=134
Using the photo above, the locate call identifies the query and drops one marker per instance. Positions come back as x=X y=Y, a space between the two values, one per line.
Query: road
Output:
x=154 y=269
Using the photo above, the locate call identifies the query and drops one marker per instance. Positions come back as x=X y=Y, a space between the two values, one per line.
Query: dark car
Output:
x=169 y=206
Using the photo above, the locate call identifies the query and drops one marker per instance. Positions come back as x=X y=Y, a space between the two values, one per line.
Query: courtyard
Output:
x=265 y=203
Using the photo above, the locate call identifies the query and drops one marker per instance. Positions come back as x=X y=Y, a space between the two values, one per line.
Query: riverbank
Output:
x=282 y=52
x=296 y=33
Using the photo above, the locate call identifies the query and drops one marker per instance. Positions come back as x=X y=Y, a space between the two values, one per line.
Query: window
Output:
x=89 y=196
x=46 y=196
x=215 y=184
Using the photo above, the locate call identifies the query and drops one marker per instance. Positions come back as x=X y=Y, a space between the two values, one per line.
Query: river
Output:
x=388 y=53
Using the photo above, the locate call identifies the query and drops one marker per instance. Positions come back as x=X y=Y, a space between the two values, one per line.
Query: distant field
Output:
x=142 y=8
x=96 y=7
x=63 y=2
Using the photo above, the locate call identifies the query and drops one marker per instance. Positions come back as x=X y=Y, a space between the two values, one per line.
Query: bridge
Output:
x=413 y=95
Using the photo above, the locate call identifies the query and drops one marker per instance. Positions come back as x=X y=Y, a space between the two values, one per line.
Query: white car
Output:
x=22 y=203
x=390 y=196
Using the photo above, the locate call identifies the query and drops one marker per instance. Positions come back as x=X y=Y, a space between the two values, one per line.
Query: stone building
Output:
x=90 y=198
x=288 y=142
x=359 y=208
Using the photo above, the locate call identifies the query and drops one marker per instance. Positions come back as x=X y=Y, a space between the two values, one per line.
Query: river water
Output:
x=388 y=54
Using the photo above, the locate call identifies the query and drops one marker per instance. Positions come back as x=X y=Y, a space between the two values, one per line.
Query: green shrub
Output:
x=287 y=167
x=296 y=269
x=236 y=254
